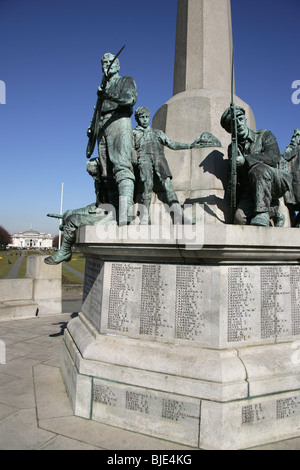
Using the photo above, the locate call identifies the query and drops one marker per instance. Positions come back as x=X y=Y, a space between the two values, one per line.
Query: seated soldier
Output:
x=291 y=156
x=93 y=214
x=260 y=183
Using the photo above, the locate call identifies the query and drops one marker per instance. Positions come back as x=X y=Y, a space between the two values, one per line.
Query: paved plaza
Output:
x=34 y=409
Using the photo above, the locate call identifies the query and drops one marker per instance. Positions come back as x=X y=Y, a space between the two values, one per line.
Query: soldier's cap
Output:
x=226 y=117
x=110 y=57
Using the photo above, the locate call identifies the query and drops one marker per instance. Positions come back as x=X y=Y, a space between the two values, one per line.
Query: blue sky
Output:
x=50 y=63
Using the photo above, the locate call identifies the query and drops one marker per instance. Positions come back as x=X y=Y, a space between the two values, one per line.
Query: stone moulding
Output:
x=233 y=244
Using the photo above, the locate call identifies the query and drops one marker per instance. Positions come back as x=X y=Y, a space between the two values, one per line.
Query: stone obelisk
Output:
x=201 y=93
x=194 y=341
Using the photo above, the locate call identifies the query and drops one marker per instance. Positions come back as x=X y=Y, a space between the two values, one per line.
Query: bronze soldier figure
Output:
x=260 y=183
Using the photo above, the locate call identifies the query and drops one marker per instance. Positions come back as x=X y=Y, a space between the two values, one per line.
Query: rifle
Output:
x=97 y=112
x=55 y=216
x=234 y=149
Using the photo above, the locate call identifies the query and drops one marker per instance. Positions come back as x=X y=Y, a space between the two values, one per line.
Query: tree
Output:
x=5 y=238
x=56 y=239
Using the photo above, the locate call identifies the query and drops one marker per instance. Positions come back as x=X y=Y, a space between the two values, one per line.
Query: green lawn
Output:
x=8 y=258
x=70 y=278
x=77 y=262
x=23 y=268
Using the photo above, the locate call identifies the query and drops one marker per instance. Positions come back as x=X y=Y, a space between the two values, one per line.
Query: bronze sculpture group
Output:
x=261 y=175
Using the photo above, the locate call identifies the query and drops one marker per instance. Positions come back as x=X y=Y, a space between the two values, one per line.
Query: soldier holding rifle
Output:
x=111 y=127
x=260 y=183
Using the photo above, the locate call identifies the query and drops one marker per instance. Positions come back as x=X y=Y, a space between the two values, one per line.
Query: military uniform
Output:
x=148 y=144
x=115 y=130
x=260 y=181
x=291 y=157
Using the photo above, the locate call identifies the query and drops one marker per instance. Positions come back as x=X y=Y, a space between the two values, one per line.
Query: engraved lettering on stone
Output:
x=149 y=294
x=190 y=302
x=276 y=301
x=176 y=410
x=137 y=402
x=157 y=301
x=288 y=407
x=122 y=285
x=295 y=299
x=92 y=291
x=104 y=394
x=252 y=414
x=282 y=408
x=241 y=303
x=268 y=292
x=271 y=292
x=283 y=301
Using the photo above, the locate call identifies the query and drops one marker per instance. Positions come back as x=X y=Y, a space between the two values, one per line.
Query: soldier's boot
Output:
x=65 y=251
x=261 y=219
x=126 y=191
x=179 y=217
x=278 y=218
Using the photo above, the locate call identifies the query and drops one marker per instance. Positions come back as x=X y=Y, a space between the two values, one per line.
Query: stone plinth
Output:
x=47 y=291
x=39 y=293
x=187 y=344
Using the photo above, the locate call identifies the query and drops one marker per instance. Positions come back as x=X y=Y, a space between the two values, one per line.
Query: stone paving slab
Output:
x=35 y=412
x=64 y=443
x=20 y=431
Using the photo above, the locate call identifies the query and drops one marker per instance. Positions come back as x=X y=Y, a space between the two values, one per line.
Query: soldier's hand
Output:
x=101 y=92
x=240 y=159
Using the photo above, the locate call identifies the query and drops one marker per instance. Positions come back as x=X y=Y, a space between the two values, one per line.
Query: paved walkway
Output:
x=13 y=273
x=14 y=270
x=74 y=271
x=34 y=409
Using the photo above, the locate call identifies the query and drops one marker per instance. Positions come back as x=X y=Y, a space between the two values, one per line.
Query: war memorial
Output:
x=190 y=321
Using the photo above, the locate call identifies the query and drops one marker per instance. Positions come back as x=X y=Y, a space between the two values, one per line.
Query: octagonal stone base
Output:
x=187 y=344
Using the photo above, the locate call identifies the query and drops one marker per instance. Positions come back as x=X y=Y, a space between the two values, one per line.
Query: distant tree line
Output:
x=5 y=238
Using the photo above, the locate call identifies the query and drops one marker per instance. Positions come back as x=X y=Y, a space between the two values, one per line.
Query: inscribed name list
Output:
x=263 y=303
x=157 y=302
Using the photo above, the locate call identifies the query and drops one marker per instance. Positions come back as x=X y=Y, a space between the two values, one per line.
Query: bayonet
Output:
x=55 y=216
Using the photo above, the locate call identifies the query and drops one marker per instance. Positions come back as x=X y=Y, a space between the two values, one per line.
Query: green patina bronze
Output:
x=260 y=181
x=112 y=171
x=150 y=159
x=112 y=128
x=291 y=158
x=93 y=214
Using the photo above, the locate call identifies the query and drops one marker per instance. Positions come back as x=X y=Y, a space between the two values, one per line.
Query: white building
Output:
x=31 y=239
